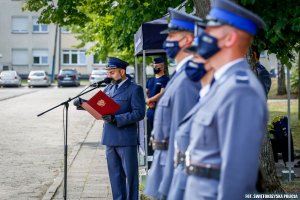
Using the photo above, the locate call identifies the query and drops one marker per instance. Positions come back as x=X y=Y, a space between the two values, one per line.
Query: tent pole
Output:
x=135 y=69
x=289 y=120
x=145 y=119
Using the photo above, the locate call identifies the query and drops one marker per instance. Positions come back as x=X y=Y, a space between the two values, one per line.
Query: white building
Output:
x=26 y=45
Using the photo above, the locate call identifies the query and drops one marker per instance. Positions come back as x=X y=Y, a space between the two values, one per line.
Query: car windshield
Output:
x=8 y=73
x=99 y=72
x=68 y=72
x=38 y=74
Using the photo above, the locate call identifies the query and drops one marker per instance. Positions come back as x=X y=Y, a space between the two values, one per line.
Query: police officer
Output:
x=197 y=71
x=180 y=96
x=154 y=90
x=120 y=131
x=226 y=134
x=261 y=72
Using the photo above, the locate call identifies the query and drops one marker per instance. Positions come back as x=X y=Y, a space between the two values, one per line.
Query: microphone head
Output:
x=77 y=102
x=107 y=80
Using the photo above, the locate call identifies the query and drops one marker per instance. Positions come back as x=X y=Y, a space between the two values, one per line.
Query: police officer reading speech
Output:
x=226 y=133
x=120 y=131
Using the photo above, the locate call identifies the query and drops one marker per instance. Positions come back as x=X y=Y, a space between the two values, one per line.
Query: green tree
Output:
x=110 y=24
x=281 y=36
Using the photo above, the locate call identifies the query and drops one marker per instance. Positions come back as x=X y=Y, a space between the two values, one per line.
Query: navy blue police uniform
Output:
x=264 y=77
x=154 y=86
x=120 y=135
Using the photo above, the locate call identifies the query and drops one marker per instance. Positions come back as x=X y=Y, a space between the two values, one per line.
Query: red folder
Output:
x=101 y=104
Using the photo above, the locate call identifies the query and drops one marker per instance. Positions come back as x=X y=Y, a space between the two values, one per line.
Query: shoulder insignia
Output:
x=241 y=77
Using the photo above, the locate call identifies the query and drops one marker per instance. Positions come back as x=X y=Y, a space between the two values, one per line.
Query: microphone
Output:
x=98 y=84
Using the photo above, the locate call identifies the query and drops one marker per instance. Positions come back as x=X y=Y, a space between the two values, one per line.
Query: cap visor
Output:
x=202 y=24
x=212 y=23
x=172 y=29
x=111 y=67
x=168 y=30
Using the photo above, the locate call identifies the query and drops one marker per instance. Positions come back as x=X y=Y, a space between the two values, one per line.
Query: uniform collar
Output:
x=225 y=68
x=182 y=62
x=204 y=91
x=121 y=83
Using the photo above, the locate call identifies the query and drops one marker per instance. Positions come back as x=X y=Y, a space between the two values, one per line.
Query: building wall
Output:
x=31 y=41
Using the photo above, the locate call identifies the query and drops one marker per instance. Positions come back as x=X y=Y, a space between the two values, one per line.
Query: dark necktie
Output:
x=212 y=81
x=116 y=88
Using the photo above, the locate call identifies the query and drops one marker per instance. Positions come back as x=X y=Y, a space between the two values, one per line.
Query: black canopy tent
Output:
x=148 y=41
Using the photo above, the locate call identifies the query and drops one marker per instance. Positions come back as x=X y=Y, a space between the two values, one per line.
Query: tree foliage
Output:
x=110 y=24
x=282 y=33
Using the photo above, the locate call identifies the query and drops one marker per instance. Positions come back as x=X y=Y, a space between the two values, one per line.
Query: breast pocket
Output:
x=202 y=126
x=121 y=98
x=124 y=102
x=183 y=136
x=162 y=109
x=165 y=116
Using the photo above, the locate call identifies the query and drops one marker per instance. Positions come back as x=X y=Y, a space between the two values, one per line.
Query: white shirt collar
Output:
x=204 y=91
x=182 y=62
x=225 y=67
x=119 y=85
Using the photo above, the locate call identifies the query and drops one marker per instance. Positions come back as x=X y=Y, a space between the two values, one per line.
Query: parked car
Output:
x=10 y=78
x=38 y=78
x=68 y=77
x=97 y=75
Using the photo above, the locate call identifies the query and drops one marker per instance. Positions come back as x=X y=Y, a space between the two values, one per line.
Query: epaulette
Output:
x=241 y=77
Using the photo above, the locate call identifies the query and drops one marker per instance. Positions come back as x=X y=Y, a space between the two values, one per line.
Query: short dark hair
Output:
x=255 y=49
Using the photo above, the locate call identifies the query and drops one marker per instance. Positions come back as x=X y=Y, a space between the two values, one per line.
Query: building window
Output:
x=20 y=56
x=38 y=28
x=40 y=56
x=74 y=57
x=19 y=24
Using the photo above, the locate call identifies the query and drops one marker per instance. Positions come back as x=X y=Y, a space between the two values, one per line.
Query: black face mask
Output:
x=195 y=71
x=207 y=45
x=115 y=82
x=156 y=70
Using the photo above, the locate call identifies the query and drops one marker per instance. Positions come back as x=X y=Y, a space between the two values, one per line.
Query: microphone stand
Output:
x=66 y=106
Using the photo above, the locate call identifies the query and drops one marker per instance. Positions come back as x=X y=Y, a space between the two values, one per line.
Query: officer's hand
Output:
x=109 y=119
x=147 y=101
x=151 y=105
x=78 y=102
